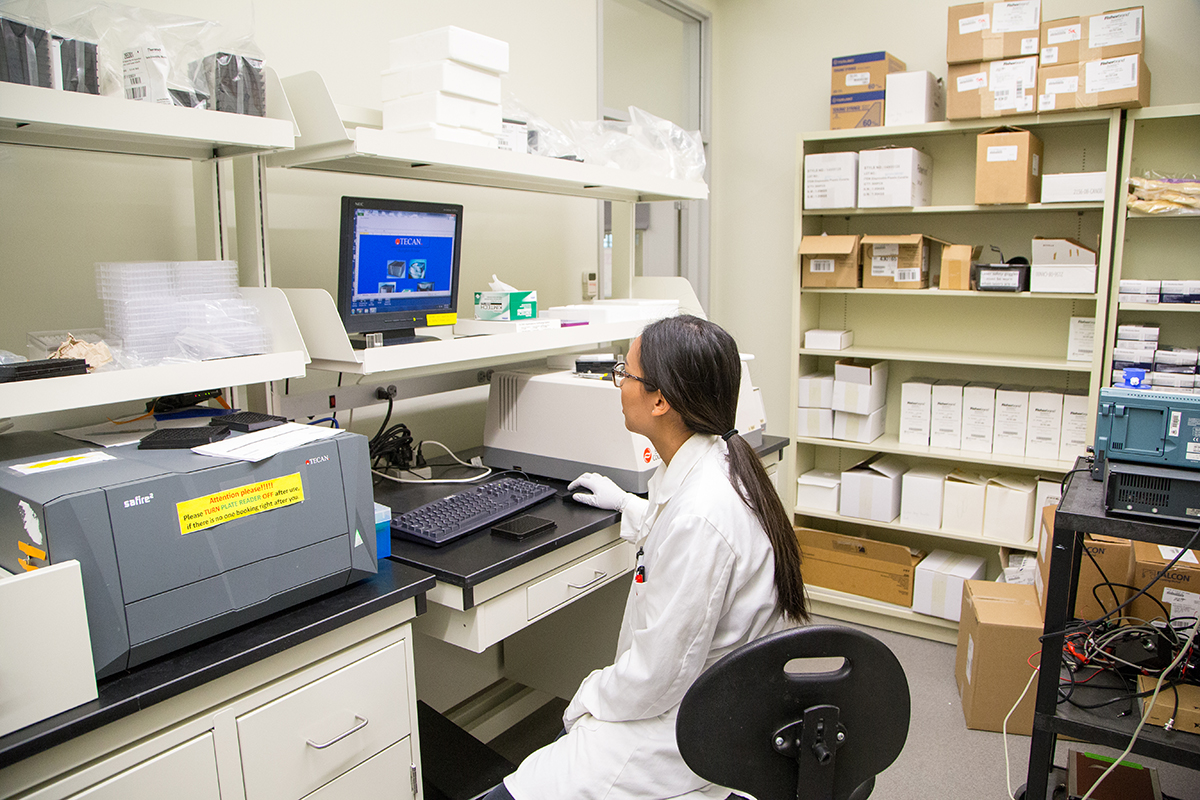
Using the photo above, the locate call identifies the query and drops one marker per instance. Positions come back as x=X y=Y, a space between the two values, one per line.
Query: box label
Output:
x=821 y=265
x=1067 y=85
x=1017 y=15
x=975 y=24
x=1122 y=27
x=908 y=275
x=1063 y=34
x=883 y=266
x=1002 y=153
x=242 y=501
x=971 y=83
x=1049 y=55
x=1181 y=603
x=892 y=249
x=1046 y=102
x=1111 y=75
x=1029 y=47
x=1174 y=427
x=858 y=79
x=1003 y=278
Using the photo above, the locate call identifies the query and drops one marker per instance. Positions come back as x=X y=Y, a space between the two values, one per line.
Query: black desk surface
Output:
x=131 y=691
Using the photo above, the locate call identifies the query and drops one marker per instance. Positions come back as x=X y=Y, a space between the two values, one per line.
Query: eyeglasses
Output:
x=619 y=374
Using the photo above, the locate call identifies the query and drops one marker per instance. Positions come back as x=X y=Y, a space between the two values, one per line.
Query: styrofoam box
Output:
x=1073 y=187
x=859 y=386
x=871 y=490
x=962 y=502
x=453 y=43
x=819 y=489
x=815 y=422
x=938 y=583
x=830 y=180
x=915 y=397
x=441 y=76
x=864 y=428
x=921 y=490
x=822 y=339
x=1008 y=508
x=419 y=110
x=816 y=390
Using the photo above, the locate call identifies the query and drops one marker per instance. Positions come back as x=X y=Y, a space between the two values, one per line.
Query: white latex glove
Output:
x=604 y=493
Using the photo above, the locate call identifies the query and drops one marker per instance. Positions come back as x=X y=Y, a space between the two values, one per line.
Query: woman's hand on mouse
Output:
x=604 y=493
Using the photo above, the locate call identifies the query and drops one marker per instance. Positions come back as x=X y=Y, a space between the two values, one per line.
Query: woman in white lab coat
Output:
x=718 y=566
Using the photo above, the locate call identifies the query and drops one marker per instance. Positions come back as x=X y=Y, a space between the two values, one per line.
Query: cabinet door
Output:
x=389 y=774
x=308 y=737
x=186 y=772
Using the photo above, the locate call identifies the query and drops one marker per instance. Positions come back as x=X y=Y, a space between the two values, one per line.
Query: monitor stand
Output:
x=385 y=338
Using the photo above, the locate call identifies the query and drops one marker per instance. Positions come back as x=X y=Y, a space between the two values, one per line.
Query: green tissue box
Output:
x=506 y=305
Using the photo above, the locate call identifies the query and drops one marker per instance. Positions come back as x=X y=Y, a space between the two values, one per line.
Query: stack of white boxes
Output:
x=1134 y=349
x=816 y=405
x=859 y=399
x=445 y=84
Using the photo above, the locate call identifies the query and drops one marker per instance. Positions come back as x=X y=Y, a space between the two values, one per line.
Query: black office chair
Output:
x=749 y=724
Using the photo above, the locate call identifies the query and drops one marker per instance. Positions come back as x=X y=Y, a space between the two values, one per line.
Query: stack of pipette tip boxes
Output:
x=445 y=84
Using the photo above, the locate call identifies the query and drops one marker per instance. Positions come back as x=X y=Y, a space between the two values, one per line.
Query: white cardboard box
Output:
x=1073 y=439
x=819 y=489
x=1073 y=187
x=1045 y=279
x=1044 y=429
x=1012 y=420
x=962 y=502
x=821 y=339
x=1008 y=508
x=1048 y=494
x=913 y=98
x=816 y=390
x=901 y=176
x=859 y=386
x=946 y=427
x=864 y=428
x=938 y=583
x=915 y=411
x=921 y=497
x=871 y=490
x=815 y=422
x=1081 y=339
x=979 y=416
x=830 y=180
x=456 y=44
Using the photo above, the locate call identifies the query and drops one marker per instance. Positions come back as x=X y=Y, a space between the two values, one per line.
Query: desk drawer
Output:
x=388 y=774
x=567 y=584
x=190 y=769
x=352 y=714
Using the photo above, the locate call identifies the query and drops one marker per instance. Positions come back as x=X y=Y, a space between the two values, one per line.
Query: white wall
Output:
x=771 y=73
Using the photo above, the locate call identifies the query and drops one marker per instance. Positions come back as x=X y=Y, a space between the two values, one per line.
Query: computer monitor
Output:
x=398 y=266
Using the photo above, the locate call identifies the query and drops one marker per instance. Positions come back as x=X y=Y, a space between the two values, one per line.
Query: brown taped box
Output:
x=851 y=564
x=968 y=40
x=1008 y=167
x=971 y=88
x=829 y=261
x=956 y=266
x=1064 y=87
x=1068 y=40
x=1149 y=559
x=1187 y=718
x=997 y=633
x=1115 y=557
x=915 y=253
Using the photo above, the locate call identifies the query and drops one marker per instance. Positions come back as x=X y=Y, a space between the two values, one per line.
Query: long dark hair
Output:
x=696 y=366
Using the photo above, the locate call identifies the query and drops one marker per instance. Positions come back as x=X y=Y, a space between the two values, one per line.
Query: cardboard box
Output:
x=1008 y=166
x=916 y=397
x=990 y=30
x=1048 y=494
x=829 y=261
x=1178 y=590
x=1044 y=427
x=992 y=88
x=1074 y=187
x=1062 y=265
x=830 y=180
x=921 y=490
x=859 y=385
x=945 y=428
x=1118 y=82
x=1115 y=557
x=914 y=98
x=1073 y=440
x=1186 y=716
x=1008 y=508
x=821 y=339
x=506 y=305
x=879 y=570
x=816 y=390
x=956 y=266
x=1059 y=41
x=899 y=262
x=866 y=72
x=816 y=422
x=1012 y=420
x=962 y=502
x=979 y=416
x=819 y=489
x=1081 y=339
x=847 y=111
x=998 y=631
x=864 y=428
x=894 y=177
x=1084 y=38
x=871 y=490
x=938 y=583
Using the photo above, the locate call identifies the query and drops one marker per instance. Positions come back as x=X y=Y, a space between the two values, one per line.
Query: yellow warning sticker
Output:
x=441 y=319
x=200 y=513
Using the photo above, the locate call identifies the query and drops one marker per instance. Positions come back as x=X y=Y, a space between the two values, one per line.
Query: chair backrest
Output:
x=750 y=724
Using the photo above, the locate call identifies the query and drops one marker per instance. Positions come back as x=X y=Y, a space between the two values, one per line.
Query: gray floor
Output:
x=942 y=758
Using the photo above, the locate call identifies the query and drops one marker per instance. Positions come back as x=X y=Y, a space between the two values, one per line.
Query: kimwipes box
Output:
x=998 y=631
x=1118 y=82
x=1008 y=166
x=991 y=30
x=991 y=88
x=879 y=570
x=899 y=262
x=1178 y=590
x=829 y=261
x=1113 y=33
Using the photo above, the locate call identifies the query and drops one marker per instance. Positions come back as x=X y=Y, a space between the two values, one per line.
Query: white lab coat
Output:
x=709 y=588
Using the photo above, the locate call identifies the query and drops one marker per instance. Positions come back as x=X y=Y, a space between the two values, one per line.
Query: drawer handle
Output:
x=599 y=577
x=362 y=723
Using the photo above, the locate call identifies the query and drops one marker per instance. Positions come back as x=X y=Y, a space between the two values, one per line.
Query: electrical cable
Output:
x=1004 y=728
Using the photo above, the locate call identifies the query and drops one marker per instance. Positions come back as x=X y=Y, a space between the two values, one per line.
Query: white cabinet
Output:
x=1016 y=338
x=190 y=768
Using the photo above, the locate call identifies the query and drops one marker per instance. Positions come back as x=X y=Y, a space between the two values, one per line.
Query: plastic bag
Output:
x=610 y=144
x=146 y=55
x=25 y=42
x=544 y=138
x=684 y=150
x=1159 y=193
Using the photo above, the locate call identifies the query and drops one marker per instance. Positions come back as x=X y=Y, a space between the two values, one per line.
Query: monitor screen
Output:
x=398 y=266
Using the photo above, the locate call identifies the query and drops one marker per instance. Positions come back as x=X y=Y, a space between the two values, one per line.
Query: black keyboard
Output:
x=181 y=438
x=468 y=511
x=247 y=421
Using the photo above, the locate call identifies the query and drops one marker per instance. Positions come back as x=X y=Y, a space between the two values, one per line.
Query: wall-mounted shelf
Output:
x=890 y=443
x=328 y=142
x=896 y=526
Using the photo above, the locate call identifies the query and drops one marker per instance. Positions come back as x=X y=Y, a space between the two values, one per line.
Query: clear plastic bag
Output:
x=146 y=55
x=610 y=144
x=684 y=150
x=544 y=138
x=1163 y=194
